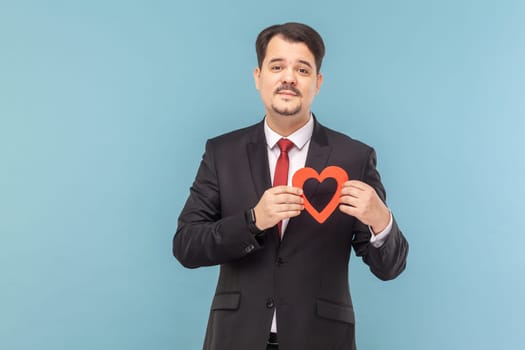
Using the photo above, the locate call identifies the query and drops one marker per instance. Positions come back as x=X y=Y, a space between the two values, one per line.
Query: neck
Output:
x=286 y=125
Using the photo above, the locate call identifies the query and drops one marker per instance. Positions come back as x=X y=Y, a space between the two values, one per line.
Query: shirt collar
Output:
x=299 y=137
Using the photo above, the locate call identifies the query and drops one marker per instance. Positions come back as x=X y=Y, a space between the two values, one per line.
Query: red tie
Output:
x=281 y=168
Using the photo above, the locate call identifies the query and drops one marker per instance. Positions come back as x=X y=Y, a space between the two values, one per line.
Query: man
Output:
x=283 y=280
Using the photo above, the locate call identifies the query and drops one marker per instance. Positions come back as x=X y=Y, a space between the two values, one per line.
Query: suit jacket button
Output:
x=279 y=261
x=270 y=304
x=249 y=248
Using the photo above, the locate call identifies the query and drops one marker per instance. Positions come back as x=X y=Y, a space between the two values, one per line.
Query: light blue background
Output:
x=104 y=110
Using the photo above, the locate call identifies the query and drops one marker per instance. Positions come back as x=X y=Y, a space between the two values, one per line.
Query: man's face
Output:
x=287 y=79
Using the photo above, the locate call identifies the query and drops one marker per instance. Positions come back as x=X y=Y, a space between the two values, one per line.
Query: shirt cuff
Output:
x=377 y=240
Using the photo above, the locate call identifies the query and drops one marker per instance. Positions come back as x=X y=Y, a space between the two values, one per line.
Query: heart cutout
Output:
x=335 y=172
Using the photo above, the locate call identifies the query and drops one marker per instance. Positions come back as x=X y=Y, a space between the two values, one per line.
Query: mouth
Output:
x=287 y=93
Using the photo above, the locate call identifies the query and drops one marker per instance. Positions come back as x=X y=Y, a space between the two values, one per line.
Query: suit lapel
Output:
x=319 y=151
x=258 y=159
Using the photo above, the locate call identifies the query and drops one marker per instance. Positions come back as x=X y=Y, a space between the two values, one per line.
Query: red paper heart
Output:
x=335 y=172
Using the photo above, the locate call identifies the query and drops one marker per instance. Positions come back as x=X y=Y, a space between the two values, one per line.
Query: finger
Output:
x=288 y=198
x=287 y=189
x=351 y=191
x=296 y=190
x=289 y=214
x=356 y=184
x=348 y=210
x=292 y=214
x=348 y=200
x=283 y=208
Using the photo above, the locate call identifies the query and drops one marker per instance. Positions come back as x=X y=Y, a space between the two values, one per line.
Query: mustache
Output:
x=288 y=87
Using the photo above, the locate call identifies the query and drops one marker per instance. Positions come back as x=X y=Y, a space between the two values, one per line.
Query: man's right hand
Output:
x=276 y=204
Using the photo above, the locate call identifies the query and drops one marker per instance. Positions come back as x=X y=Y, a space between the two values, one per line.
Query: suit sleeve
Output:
x=389 y=260
x=203 y=236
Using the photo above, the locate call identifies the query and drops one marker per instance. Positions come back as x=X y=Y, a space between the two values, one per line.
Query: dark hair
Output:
x=293 y=32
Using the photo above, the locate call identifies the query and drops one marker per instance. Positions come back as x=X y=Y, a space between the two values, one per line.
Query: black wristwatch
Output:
x=250 y=220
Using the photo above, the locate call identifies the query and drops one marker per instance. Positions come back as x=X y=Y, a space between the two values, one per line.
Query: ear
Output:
x=319 y=82
x=256 y=77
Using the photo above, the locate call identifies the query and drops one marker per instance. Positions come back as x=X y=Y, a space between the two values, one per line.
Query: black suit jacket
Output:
x=304 y=276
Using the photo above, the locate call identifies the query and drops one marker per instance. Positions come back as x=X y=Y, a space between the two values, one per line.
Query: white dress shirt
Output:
x=297 y=159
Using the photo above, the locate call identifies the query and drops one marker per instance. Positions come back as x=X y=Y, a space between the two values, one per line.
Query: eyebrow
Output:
x=306 y=63
x=282 y=59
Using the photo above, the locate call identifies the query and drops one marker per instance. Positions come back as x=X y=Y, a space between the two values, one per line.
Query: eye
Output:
x=303 y=71
x=276 y=68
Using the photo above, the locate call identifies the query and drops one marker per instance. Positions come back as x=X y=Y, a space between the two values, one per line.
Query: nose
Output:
x=289 y=77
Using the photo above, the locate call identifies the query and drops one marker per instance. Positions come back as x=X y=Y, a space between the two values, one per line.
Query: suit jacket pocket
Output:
x=335 y=312
x=226 y=301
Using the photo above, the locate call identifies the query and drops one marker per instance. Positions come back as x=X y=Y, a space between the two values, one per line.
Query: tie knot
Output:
x=285 y=145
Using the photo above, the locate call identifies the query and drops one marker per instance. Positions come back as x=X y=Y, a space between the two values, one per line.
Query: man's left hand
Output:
x=360 y=200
